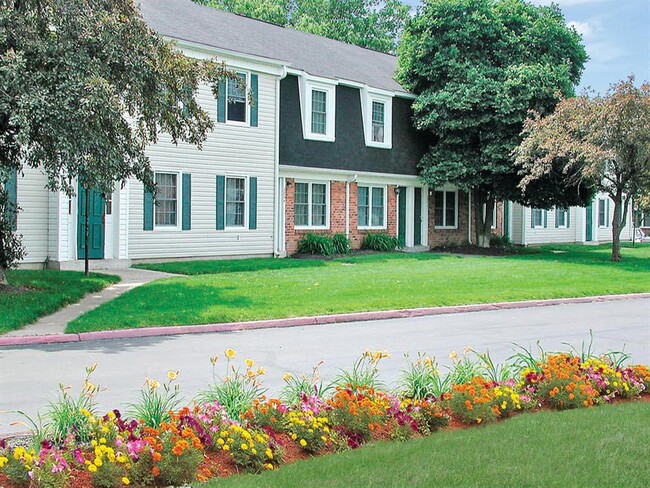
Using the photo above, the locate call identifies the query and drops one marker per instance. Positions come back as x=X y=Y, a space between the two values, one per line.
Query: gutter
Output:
x=277 y=217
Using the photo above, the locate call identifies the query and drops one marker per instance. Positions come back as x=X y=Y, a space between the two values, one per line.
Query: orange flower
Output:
x=156 y=456
x=155 y=471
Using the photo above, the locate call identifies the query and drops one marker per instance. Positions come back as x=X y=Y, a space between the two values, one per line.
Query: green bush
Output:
x=499 y=241
x=316 y=244
x=380 y=242
x=341 y=243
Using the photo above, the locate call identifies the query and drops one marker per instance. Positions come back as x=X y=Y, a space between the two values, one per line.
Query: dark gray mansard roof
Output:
x=187 y=21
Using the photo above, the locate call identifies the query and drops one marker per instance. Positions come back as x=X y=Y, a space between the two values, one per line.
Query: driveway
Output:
x=29 y=375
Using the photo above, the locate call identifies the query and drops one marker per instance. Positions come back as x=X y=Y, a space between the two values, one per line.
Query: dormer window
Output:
x=317 y=107
x=377 y=121
x=377 y=113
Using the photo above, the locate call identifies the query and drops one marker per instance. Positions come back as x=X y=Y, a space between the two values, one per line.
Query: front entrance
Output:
x=96 y=208
x=589 y=232
x=410 y=216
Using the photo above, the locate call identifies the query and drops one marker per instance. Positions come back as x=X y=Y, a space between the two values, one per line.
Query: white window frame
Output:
x=246 y=202
x=533 y=211
x=247 y=120
x=368 y=96
x=384 y=204
x=179 y=203
x=605 y=213
x=565 y=211
x=309 y=205
x=307 y=86
x=444 y=209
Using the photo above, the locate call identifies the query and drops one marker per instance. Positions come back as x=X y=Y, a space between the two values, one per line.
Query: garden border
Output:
x=303 y=321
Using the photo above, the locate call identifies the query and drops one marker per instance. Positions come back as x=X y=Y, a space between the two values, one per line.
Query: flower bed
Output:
x=155 y=443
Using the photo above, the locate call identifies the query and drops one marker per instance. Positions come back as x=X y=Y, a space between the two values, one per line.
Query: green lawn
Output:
x=369 y=282
x=45 y=292
x=603 y=446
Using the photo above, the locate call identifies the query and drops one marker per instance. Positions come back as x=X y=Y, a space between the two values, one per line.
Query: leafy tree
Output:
x=477 y=68
x=375 y=24
x=86 y=87
x=602 y=141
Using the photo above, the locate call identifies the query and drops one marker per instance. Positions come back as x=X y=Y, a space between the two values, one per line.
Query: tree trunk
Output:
x=618 y=222
x=3 y=277
x=483 y=220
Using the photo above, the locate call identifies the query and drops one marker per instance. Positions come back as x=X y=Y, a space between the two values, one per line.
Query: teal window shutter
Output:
x=221 y=202
x=221 y=102
x=568 y=217
x=545 y=219
x=252 y=205
x=557 y=213
x=254 y=96
x=532 y=218
x=187 y=201
x=148 y=210
x=12 y=193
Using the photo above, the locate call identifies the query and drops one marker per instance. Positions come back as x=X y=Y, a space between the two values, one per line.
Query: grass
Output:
x=604 y=446
x=370 y=282
x=229 y=265
x=44 y=292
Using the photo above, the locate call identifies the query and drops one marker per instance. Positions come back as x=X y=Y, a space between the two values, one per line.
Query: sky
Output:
x=616 y=34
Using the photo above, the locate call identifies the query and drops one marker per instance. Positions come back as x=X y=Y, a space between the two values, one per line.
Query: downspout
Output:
x=347 y=208
x=278 y=245
x=469 y=217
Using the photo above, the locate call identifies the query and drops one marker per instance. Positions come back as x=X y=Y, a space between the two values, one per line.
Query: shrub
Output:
x=380 y=242
x=358 y=413
x=563 y=386
x=429 y=415
x=481 y=401
x=316 y=244
x=497 y=240
x=309 y=430
x=250 y=449
x=341 y=243
x=17 y=464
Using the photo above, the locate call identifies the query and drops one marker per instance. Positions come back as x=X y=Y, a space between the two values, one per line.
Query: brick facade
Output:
x=337 y=215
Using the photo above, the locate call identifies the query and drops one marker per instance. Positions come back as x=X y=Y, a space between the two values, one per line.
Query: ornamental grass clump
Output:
x=422 y=379
x=364 y=373
x=156 y=401
x=297 y=386
x=238 y=389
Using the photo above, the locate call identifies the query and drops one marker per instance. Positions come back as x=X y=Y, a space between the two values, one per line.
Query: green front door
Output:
x=590 y=223
x=96 y=207
x=401 y=214
x=417 y=218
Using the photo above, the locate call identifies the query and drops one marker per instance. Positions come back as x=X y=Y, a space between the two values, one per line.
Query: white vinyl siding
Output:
x=34 y=217
x=229 y=148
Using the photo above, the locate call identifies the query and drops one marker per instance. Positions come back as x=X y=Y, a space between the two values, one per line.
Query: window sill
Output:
x=234 y=123
x=445 y=227
x=319 y=137
x=302 y=227
x=370 y=227
x=379 y=145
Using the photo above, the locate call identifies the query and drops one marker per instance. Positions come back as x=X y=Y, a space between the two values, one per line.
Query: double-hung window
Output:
x=378 y=122
x=319 y=112
x=235 y=201
x=445 y=208
x=236 y=98
x=561 y=217
x=537 y=217
x=167 y=200
x=311 y=205
x=371 y=207
x=603 y=212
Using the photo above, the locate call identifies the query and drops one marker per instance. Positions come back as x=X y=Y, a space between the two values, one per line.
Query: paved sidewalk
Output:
x=56 y=323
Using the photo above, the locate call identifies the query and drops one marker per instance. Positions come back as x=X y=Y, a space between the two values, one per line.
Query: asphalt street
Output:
x=30 y=375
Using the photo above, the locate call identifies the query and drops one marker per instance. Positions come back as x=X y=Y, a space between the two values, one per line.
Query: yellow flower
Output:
x=102 y=441
x=3 y=460
x=172 y=375
x=261 y=371
x=286 y=377
x=269 y=453
x=230 y=353
x=98 y=462
x=453 y=355
x=303 y=442
x=125 y=480
x=92 y=468
x=467 y=349
x=226 y=447
x=269 y=466
x=220 y=441
x=249 y=363
x=244 y=447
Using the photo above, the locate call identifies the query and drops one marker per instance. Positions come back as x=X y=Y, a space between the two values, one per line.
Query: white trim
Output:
x=368 y=96
x=532 y=222
x=444 y=208
x=384 y=204
x=309 y=226
x=308 y=173
x=179 y=204
x=566 y=218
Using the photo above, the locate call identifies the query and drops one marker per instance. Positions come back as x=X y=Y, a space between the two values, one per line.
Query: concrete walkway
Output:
x=56 y=323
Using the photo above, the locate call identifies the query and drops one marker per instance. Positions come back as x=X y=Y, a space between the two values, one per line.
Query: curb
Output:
x=303 y=321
